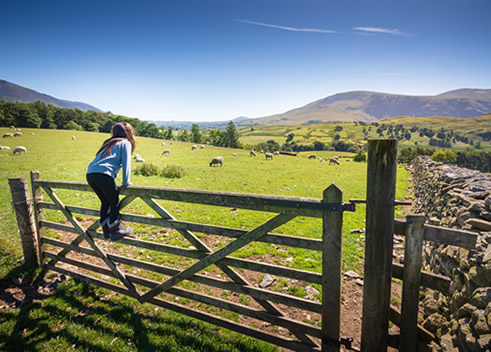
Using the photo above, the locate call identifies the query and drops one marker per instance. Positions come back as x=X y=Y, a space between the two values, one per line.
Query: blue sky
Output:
x=216 y=60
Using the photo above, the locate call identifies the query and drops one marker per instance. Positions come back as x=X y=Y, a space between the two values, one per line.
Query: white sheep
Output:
x=5 y=135
x=139 y=159
x=202 y=146
x=268 y=156
x=276 y=153
x=17 y=134
x=234 y=154
x=312 y=156
x=164 y=144
x=137 y=156
x=217 y=160
x=252 y=153
x=19 y=150
x=4 y=148
x=74 y=138
x=194 y=147
x=166 y=151
x=333 y=161
x=32 y=133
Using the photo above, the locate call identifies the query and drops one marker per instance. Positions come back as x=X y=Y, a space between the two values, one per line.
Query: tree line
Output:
x=41 y=115
x=470 y=159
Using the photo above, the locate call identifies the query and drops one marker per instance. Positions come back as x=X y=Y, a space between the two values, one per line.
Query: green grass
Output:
x=77 y=317
x=58 y=157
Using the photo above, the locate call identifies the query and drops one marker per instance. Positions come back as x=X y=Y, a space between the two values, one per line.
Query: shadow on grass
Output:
x=80 y=317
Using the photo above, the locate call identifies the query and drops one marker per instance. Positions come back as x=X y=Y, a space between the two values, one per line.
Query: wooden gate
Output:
x=308 y=337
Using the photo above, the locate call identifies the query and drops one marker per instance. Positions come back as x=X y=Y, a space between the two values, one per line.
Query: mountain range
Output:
x=15 y=93
x=342 y=107
x=373 y=106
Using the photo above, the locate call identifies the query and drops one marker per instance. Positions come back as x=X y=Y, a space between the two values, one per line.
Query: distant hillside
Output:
x=13 y=92
x=372 y=106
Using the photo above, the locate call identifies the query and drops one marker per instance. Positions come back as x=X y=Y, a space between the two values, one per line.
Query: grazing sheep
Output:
x=32 y=133
x=261 y=151
x=4 y=148
x=74 y=138
x=19 y=150
x=217 y=160
x=202 y=146
x=17 y=134
x=164 y=144
x=234 y=154
x=276 y=153
x=12 y=127
x=321 y=159
x=139 y=159
x=312 y=156
x=268 y=156
x=166 y=151
x=194 y=147
x=252 y=153
x=5 y=135
x=333 y=161
x=137 y=156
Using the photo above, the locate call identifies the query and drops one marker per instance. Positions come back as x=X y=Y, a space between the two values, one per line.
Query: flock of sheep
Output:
x=218 y=160
x=19 y=149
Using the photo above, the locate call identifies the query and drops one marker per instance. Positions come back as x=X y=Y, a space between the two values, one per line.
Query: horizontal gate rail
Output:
x=299 y=206
x=62 y=255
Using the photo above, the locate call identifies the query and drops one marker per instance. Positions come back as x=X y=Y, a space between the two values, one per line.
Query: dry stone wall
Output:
x=458 y=198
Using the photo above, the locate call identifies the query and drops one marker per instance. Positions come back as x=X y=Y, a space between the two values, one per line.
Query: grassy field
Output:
x=58 y=157
x=354 y=132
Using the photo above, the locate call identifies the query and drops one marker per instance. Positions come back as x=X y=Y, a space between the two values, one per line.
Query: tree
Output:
x=196 y=133
x=290 y=137
x=360 y=156
x=26 y=117
x=232 y=136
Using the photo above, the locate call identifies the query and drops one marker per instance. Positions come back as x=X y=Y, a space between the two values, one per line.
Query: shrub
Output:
x=172 y=171
x=360 y=156
x=444 y=156
x=147 y=169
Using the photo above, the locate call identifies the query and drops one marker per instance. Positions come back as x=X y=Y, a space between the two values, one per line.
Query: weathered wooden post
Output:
x=25 y=219
x=332 y=241
x=411 y=278
x=381 y=184
x=37 y=196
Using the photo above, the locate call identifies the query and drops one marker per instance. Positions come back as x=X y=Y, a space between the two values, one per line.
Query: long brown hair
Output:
x=119 y=132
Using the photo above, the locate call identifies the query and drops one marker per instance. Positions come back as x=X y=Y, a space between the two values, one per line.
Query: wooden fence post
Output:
x=37 y=196
x=381 y=183
x=332 y=242
x=25 y=219
x=413 y=250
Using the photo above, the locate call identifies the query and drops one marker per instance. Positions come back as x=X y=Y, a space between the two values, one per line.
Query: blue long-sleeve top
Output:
x=110 y=164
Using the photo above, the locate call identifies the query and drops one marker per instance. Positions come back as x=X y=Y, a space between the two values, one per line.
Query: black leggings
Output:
x=107 y=191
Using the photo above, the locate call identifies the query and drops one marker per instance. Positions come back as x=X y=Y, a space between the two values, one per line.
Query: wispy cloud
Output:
x=381 y=30
x=291 y=29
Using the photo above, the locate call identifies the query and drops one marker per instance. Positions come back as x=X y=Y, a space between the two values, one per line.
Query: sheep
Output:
x=321 y=159
x=276 y=153
x=234 y=154
x=32 y=133
x=164 y=144
x=19 y=150
x=137 y=156
x=12 y=127
x=139 y=159
x=268 y=156
x=166 y=151
x=217 y=160
x=194 y=147
x=74 y=138
x=4 y=148
x=312 y=156
x=17 y=134
x=252 y=153
x=202 y=146
x=5 y=135
x=333 y=161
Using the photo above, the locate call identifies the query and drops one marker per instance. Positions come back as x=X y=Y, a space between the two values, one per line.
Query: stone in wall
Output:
x=459 y=198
